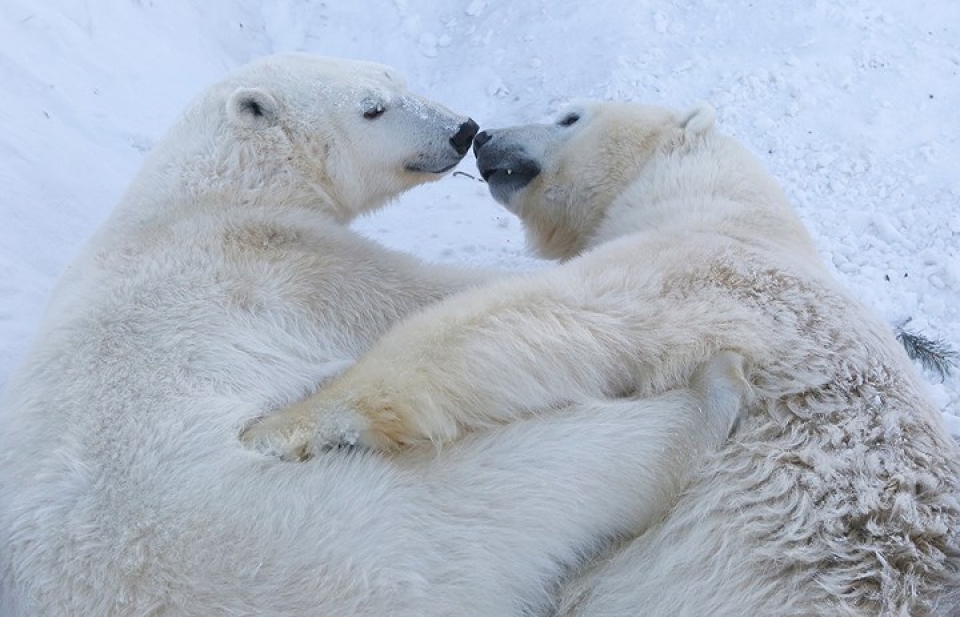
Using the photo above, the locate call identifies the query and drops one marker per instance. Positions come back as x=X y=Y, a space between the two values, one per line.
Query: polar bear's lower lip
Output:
x=420 y=169
x=521 y=176
x=504 y=182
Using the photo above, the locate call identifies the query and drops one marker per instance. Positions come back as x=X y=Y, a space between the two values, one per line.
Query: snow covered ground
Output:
x=851 y=104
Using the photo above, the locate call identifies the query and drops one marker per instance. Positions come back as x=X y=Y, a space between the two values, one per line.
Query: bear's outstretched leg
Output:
x=326 y=420
x=496 y=353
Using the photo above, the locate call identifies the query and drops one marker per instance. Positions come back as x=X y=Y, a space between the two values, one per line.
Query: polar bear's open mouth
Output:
x=505 y=176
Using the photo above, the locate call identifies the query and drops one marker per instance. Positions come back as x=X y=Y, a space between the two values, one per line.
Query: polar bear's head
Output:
x=562 y=178
x=348 y=131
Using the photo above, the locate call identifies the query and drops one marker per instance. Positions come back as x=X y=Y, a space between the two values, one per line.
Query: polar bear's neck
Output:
x=714 y=185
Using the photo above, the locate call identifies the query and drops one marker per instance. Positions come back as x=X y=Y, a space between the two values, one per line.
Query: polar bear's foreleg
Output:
x=505 y=350
x=480 y=359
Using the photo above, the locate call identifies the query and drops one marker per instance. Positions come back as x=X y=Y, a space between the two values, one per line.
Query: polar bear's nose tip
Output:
x=481 y=138
x=461 y=141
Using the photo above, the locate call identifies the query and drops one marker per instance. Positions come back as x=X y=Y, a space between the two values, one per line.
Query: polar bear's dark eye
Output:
x=569 y=119
x=374 y=111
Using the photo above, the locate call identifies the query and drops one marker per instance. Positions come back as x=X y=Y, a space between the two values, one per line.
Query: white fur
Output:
x=839 y=495
x=224 y=286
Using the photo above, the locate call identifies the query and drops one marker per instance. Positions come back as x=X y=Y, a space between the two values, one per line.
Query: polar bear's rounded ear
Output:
x=698 y=120
x=253 y=108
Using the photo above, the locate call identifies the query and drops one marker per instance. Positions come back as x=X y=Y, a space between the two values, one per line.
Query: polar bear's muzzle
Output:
x=443 y=157
x=504 y=164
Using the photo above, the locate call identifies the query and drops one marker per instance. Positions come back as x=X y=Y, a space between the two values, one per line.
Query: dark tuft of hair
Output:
x=935 y=355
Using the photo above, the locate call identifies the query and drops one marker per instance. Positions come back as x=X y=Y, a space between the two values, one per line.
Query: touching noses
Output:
x=461 y=141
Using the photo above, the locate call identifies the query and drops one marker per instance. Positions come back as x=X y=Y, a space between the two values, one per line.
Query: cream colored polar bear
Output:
x=839 y=495
x=225 y=285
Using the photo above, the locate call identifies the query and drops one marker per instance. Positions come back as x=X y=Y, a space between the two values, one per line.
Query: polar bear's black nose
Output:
x=481 y=138
x=461 y=141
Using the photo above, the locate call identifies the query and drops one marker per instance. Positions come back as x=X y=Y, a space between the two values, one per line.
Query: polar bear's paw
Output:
x=300 y=432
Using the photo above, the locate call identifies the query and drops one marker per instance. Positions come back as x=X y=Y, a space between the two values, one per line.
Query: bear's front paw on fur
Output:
x=306 y=429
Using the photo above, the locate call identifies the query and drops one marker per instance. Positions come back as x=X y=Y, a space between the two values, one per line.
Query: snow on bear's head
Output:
x=346 y=131
x=562 y=178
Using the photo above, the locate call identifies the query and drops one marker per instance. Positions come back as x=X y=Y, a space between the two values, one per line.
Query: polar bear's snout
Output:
x=505 y=164
x=442 y=156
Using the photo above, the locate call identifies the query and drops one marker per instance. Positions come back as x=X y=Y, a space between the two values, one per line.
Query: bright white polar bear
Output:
x=839 y=494
x=225 y=285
